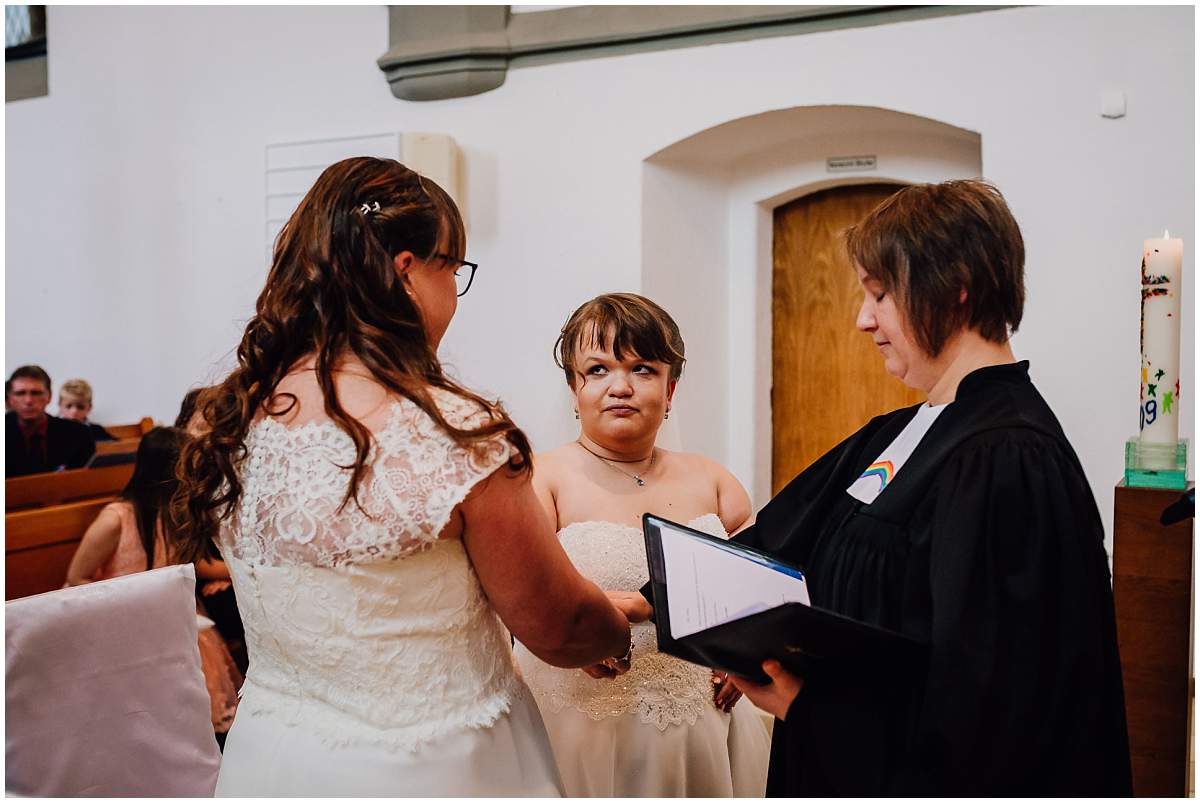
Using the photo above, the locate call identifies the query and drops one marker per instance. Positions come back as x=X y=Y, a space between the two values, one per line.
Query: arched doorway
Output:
x=826 y=378
x=708 y=203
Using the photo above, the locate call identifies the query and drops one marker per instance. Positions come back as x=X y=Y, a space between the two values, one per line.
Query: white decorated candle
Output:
x=1162 y=261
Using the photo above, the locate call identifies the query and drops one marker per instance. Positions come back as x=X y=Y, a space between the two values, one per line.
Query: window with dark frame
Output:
x=24 y=32
x=25 y=53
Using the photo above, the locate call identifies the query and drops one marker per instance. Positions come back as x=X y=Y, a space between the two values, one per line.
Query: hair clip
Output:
x=367 y=209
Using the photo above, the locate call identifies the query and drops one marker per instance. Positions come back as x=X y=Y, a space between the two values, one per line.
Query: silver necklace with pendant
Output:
x=608 y=462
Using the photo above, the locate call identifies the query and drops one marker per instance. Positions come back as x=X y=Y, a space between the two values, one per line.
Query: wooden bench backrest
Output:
x=55 y=488
x=39 y=545
x=122 y=446
x=124 y=431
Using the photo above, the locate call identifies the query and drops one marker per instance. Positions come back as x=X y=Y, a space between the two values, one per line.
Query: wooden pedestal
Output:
x=1152 y=588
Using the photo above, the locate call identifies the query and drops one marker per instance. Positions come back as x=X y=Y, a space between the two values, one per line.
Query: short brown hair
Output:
x=635 y=323
x=929 y=242
x=79 y=388
x=29 y=372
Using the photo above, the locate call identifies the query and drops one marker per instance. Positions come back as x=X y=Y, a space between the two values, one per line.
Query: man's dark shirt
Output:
x=58 y=443
x=99 y=433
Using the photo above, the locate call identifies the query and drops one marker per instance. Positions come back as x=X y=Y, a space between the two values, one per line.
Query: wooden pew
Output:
x=57 y=487
x=125 y=431
x=121 y=446
x=39 y=545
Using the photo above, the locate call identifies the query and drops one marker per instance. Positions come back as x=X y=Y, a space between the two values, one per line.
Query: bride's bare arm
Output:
x=546 y=604
x=543 y=487
x=733 y=503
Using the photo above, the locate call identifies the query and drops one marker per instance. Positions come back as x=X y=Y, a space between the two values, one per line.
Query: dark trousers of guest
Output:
x=222 y=609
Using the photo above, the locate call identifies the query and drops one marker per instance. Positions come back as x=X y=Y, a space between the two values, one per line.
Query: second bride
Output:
x=666 y=728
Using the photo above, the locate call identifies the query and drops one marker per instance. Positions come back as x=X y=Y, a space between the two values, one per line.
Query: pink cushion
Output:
x=103 y=691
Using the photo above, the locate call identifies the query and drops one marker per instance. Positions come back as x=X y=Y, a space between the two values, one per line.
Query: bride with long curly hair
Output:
x=378 y=521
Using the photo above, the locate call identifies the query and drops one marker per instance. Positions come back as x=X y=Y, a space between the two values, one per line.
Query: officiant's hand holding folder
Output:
x=727 y=606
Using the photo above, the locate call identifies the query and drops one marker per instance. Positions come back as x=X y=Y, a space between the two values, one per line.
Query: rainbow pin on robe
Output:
x=880 y=474
x=882 y=469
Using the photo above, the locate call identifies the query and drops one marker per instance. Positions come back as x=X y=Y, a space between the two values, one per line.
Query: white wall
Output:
x=134 y=208
x=685 y=247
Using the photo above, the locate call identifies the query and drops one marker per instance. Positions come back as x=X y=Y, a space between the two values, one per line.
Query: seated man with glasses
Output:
x=36 y=442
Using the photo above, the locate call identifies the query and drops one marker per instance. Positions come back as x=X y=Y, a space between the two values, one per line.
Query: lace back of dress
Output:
x=295 y=479
x=363 y=626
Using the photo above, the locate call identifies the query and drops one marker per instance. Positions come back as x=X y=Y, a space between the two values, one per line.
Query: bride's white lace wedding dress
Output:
x=654 y=731
x=377 y=666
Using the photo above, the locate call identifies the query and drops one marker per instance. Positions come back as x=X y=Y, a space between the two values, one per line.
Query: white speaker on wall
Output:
x=436 y=156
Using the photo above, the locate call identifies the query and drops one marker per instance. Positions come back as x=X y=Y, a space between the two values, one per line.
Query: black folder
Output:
x=795 y=634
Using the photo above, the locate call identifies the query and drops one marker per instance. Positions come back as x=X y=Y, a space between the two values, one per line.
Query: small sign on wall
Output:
x=847 y=164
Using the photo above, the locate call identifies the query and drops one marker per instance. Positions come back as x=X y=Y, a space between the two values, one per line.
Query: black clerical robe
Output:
x=987 y=544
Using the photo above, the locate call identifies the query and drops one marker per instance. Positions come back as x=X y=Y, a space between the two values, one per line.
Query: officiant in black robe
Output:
x=984 y=542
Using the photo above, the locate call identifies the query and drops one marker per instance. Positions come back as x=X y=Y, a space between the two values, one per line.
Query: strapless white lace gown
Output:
x=654 y=731
x=377 y=666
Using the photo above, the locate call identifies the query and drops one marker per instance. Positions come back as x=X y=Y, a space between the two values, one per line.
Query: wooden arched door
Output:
x=827 y=377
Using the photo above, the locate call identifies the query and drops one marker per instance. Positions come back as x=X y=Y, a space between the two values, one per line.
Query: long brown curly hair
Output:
x=332 y=289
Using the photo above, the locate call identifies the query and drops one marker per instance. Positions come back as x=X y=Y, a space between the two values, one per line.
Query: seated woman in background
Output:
x=127 y=537
x=965 y=522
x=667 y=728
x=217 y=595
x=75 y=404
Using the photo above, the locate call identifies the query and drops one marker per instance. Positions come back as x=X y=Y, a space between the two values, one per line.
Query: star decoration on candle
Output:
x=1159 y=337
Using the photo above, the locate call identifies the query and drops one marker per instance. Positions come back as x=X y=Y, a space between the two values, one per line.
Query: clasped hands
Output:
x=636 y=609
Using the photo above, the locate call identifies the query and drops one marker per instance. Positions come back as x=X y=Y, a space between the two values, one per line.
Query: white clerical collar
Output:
x=883 y=470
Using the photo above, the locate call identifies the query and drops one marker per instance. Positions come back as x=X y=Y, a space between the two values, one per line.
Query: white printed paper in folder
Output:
x=709 y=585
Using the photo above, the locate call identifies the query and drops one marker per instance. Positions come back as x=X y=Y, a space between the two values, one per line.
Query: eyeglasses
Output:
x=462 y=276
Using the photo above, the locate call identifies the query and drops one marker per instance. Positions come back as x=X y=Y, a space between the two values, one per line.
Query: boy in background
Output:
x=75 y=404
